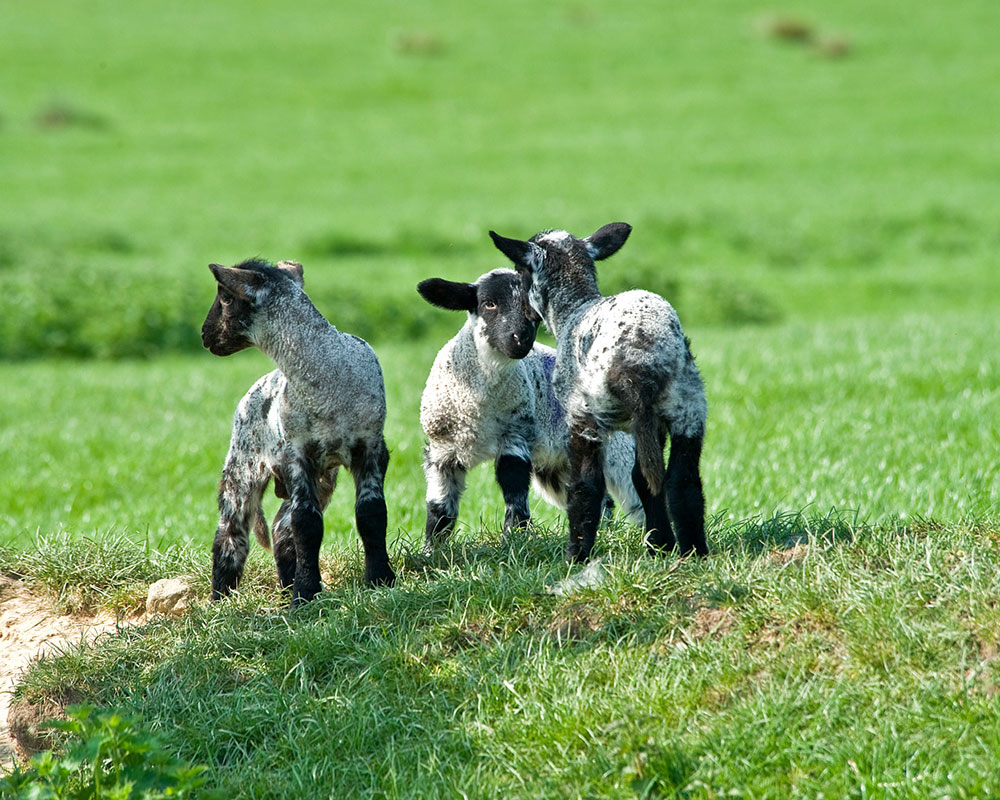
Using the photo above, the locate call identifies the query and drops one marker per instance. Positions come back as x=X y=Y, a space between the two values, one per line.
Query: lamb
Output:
x=323 y=408
x=489 y=396
x=622 y=363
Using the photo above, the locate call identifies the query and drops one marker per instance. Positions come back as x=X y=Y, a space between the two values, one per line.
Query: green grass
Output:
x=763 y=181
x=826 y=229
x=862 y=663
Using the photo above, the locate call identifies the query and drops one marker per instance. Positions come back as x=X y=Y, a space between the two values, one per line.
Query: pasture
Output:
x=821 y=210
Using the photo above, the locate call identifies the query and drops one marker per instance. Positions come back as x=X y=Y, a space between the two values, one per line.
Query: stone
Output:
x=169 y=596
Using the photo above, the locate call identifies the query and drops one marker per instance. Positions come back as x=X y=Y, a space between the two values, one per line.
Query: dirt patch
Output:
x=712 y=622
x=794 y=554
x=981 y=677
x=573 y=624
x=29 y=628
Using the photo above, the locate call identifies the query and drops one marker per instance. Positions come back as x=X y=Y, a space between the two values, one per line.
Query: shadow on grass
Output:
x=782 y=531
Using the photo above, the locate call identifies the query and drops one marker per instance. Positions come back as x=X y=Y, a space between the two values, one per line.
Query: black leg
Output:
x=229 y=554
x=659 y=534
x=684 y=493
x=607 y=508
x=585 y=494
x=239 y=510
x=368 y=466
x=307 y=533
x=445 y=484
x=513 y=473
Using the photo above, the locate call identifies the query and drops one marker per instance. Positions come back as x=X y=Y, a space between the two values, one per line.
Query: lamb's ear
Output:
x=453 y=295
x=242 y=283
x=607 y=240
x=516 y=250
x=293 y=269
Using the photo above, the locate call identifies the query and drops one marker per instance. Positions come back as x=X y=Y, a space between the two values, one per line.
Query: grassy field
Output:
x=821 y=211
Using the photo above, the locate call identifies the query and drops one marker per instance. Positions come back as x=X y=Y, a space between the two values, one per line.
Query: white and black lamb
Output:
x=622 y=363
x=489 y=397
x=323 y=408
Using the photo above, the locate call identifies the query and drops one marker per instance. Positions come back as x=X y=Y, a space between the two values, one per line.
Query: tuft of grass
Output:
x=787 y=28
x=421 y=43
x=105 y=570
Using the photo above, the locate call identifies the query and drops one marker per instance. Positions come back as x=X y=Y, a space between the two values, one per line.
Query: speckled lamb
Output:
x=622 y=363
x=323 y=408
x=489 y=397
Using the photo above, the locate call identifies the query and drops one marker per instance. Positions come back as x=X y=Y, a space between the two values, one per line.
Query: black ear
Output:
x=453 y=295
x=517 y=251
x=242 y=283
x=607 y=240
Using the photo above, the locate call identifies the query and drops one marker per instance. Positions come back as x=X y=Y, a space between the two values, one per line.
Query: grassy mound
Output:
x=805 y=656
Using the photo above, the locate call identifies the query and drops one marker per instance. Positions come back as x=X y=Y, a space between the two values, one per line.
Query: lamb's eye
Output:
x=225 y=298
x=489 y=305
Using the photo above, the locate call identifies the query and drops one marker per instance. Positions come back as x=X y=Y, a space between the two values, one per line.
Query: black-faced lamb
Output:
x=622 y=363
x=489 y=397
x=323 y=408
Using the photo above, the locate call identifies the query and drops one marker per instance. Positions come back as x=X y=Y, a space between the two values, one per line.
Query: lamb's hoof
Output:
x=660 y=545
x=301 y=596
x=577 y=552
x=381 y=577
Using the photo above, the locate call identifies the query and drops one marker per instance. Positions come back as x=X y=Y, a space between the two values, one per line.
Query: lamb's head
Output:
x=495 y=305
x=557 y=258
x=245 y=293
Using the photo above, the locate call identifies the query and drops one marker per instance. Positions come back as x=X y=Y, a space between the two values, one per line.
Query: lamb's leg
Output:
x=239 y=512
x=659 y=533
x=284 y=541
x=585 y=494
x=684 y=493
x=445 y=484
x=368 y=465
x=284 y=545
x=306 y=522
x=513 y=473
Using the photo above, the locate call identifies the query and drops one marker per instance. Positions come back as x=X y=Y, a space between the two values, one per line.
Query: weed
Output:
x=106 y=756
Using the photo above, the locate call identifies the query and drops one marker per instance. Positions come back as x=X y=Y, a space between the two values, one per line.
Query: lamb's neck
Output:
x=302 y=344
x=565 y=305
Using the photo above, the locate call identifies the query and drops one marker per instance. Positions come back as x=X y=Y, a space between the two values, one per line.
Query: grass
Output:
x=824 y=227
x=861 y=662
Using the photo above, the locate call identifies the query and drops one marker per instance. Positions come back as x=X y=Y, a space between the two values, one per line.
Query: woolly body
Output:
x=613 y=339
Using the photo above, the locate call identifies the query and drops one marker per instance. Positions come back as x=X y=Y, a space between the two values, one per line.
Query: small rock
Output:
x=169 y=596
x=590 y=577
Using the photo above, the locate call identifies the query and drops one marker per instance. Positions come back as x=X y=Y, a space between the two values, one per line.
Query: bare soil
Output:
x=29 y=628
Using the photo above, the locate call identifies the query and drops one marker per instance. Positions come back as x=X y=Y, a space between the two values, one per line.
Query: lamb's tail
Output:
x=648 y=446
x=260 y=530
x=638 y=391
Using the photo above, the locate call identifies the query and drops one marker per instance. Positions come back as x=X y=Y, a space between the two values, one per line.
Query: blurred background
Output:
x=813 y=185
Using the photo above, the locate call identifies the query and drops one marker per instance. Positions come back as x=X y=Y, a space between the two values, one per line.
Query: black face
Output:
x=501 y=304
x=526 y=276
x=224 y=331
